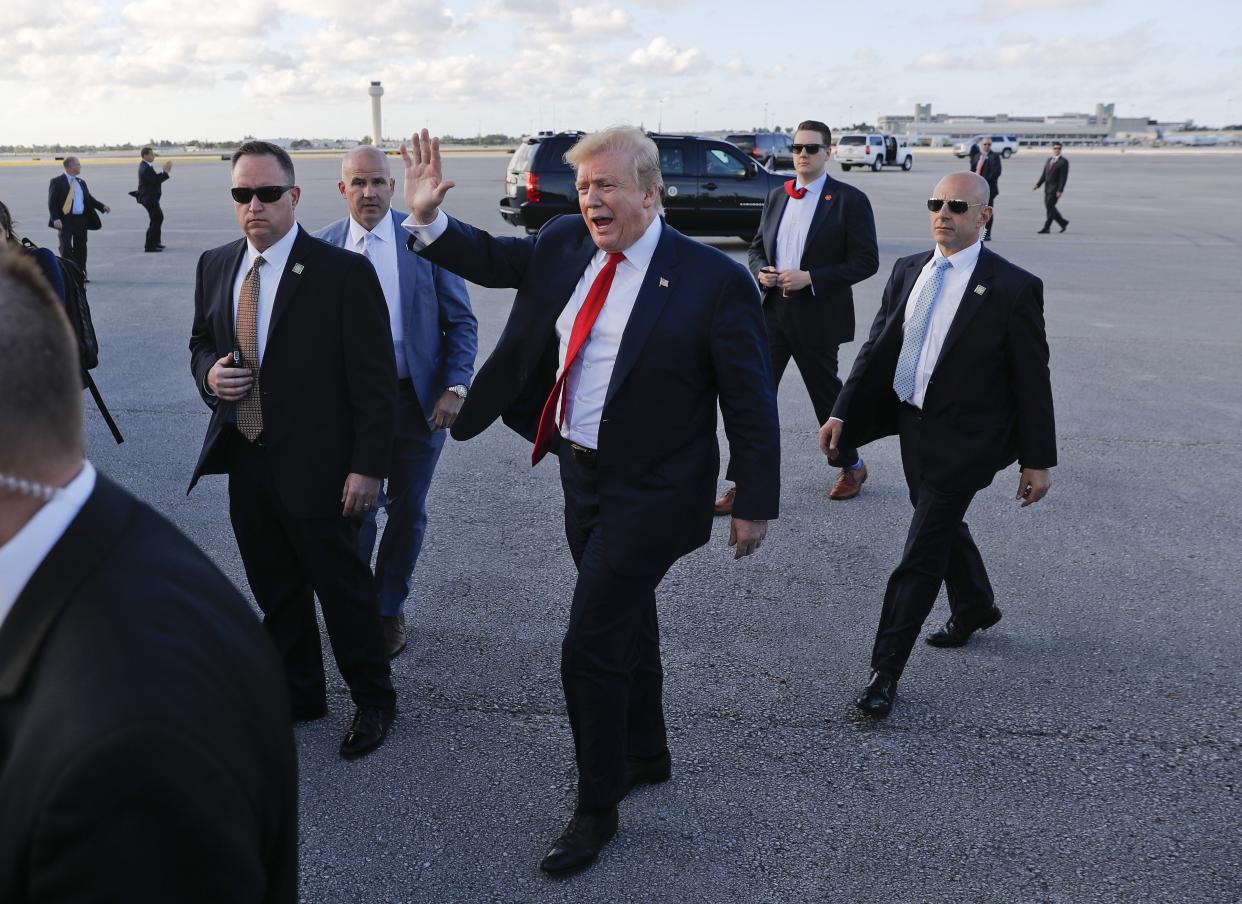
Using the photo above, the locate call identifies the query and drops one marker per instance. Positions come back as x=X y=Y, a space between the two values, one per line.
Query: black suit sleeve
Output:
x=862 y=255
x=1028 y=364
x=55 y=199
x=758 y=256
x=148 y=178
x=747 y=398
x=840 y=408
x=147 y=815
x=370 y=369
x=202 y=341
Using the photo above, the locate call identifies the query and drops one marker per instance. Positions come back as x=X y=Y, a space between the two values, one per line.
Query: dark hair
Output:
x=814 y=125
x=145 y=151
x=1056 y=144
x=41 y=406
x=6 y=223
x=266 y=149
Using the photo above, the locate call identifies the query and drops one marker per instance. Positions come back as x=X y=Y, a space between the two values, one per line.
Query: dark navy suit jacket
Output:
x=695 y=339
x=989 y=400
x=441 y=334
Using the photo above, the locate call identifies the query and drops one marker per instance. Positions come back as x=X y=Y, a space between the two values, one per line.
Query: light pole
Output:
x=660 y=116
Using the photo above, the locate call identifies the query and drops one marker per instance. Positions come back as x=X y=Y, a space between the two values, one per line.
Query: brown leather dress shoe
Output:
x=849 y=483
x=724 y=505
x=394 y=633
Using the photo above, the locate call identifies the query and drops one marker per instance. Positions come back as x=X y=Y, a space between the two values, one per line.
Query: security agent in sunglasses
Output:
x=957 y=366
x=816 y=239
x=291 y=350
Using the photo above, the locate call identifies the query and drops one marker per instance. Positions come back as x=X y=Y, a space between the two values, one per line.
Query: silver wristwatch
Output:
x=459 y=390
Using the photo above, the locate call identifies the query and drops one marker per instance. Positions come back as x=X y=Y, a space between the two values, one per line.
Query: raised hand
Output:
x=425 y=186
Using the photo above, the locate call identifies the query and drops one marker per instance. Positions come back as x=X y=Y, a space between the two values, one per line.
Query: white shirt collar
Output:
x=640 y=253
x=383 y=231
x=276 y=256
x=967 y=257
x=21 y=557
x=815 y=186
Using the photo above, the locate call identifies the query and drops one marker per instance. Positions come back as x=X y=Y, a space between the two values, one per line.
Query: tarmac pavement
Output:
x=1086 y=749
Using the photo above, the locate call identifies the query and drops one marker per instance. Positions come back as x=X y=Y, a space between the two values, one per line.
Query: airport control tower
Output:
x=376 y=91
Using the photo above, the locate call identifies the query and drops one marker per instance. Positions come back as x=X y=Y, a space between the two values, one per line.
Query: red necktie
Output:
x=578 y=336
x=794 y=192
x=979 y=168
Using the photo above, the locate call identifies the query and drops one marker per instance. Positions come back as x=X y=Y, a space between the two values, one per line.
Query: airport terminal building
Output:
x=1100 y=127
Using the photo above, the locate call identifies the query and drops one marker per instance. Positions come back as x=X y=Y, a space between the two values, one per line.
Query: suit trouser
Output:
x=73 y=238
x=156 y=217
x=1050 y=211
x=289 y=560
x=415 y=450
x=939 y=549
x=797 y=329
x=610 y=657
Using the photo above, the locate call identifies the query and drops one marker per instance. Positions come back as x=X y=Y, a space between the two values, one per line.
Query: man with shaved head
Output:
x=145 y=747
x=435 y=338
x=957 y=366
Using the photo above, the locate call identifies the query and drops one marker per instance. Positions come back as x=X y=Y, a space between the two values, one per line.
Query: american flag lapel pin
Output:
x=297 y=269
x=663 y=283
x=827 y=197
x=979 y=290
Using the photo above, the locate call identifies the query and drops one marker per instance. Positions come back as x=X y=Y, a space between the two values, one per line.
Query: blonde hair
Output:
x=628 y=140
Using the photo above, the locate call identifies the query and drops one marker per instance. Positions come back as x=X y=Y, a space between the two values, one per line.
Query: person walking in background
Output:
x=435 y=339
x=987 y=164
x=957 y=366
x=150 y=189
x=73 y=211
x=1053 y=178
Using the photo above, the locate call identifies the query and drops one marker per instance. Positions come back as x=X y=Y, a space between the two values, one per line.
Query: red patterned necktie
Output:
x=249 y=408
x=798 y=193
x=979 y=168
x=578 y=336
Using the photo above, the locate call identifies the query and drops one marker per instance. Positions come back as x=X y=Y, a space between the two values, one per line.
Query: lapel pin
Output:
x=297 y=269
x=663 y=283
x=979 y=290
x=827 y=197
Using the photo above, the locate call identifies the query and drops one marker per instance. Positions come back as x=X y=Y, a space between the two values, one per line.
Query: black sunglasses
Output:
x=268 y=194
x=809 y=148
x=956 y=205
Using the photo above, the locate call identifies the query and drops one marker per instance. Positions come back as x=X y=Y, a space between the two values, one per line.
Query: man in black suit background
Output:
x=72 y=211
x=145 y=748
x=957 y=366
x=292 y=351
x=150 y=189
x=1053 y=178
x=987 y=163
x=623 y=338
x=816 y=239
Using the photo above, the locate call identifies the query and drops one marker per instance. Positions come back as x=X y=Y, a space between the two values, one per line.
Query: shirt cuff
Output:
x=426 y=233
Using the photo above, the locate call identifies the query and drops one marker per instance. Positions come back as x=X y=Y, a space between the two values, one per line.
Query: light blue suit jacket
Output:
x=441 y=333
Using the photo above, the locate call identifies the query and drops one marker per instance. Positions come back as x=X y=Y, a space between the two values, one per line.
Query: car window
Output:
x=876 y=139
x=853 y=139
x=672 y=161
x=521 y=158
x=745 y=142
x=721 y=163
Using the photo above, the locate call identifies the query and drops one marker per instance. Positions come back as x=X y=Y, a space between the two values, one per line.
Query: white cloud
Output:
x=776 y=71
x=661 y=58
x=1015 y=52
x=737 y=66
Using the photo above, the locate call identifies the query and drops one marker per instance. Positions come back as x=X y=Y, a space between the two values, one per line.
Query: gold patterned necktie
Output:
x=69 y=197
x=249 y=408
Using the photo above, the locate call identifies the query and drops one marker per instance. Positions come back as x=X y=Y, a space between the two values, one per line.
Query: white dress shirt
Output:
x=21 y=557
x=955 y=282
x=380 y=245
x=274 y=260
x=796 y=223
x=79 y=201
x=588 y=381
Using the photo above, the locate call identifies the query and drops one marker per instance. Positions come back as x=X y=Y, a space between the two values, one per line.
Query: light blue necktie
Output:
x=905 y=377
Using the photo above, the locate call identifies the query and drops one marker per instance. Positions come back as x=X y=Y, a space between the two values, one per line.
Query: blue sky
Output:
x=186 y=69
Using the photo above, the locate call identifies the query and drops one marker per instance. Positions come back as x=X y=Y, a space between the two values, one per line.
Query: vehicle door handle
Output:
x=710 y=186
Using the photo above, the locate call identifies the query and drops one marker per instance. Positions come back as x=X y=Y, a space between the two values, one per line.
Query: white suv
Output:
x=1005 y=145
x=873 y=150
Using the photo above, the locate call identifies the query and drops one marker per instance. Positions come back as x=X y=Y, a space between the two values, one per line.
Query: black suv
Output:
x=771 y=148
x=710 y=187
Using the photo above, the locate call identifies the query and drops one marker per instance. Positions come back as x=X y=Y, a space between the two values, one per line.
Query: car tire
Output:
x=877 y=165
x=845 y=167
x=1007 y=153
x=907 y=164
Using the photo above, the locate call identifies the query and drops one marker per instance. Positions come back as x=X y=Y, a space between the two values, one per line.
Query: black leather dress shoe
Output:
x=1043 y=231
x=1064 y=225
x=367 y=732
x=877 y=697
x=581 y=842
x=957 y=631
x=153 y=250
x=647 y=770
